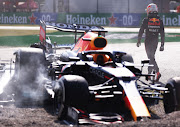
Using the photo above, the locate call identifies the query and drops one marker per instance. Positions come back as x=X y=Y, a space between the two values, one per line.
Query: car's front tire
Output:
x=71 y=91
x=171 y=98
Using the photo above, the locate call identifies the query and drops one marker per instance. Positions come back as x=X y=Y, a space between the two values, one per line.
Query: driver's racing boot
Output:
x=158 y=76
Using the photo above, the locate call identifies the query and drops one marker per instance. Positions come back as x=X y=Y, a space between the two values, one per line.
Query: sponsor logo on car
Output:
x=154 y=22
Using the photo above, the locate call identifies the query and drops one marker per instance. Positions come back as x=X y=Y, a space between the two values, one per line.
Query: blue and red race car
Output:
x=86 y=84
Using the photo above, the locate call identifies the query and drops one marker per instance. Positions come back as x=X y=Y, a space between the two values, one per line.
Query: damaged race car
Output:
x=86 y=84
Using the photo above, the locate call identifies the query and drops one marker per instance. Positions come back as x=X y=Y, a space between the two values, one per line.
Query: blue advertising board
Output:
x=48 y=17
x=127 y=20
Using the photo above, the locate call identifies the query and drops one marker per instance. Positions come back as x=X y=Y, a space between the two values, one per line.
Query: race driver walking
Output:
x=152 y=25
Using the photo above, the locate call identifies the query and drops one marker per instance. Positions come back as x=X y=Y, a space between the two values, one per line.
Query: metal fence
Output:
x=82 y=6
x=113 y=6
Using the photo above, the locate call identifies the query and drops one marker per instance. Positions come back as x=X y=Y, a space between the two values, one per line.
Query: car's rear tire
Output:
x=72 y=91
x=171 y=98
x=29 y=64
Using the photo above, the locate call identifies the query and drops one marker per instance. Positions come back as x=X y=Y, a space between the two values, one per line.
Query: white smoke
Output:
x=7 y=71
x=27 y=84
x=35 y=90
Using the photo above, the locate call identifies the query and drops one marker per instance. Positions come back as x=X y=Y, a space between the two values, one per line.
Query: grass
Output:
x=27 y=37
x=26 y=40
x=18 y=40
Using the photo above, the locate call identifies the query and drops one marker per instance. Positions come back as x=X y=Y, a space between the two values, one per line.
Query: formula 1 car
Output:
x=86 y=84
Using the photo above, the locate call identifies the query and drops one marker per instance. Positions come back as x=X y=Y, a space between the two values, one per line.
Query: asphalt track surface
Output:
x=167 y=60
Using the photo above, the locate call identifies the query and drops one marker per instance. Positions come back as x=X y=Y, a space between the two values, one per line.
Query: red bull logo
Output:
x=154 y=22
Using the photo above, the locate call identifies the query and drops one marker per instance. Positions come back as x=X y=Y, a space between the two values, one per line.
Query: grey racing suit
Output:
x=152 y=25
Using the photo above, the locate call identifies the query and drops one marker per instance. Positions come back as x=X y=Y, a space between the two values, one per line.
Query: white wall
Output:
x=138 y=6
x=48 y=6
x=82 y=6
x=98 y=6
x=113 y=6
x=108 y=6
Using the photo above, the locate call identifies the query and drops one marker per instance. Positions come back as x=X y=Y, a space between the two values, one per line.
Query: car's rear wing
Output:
x=64 y=27
x=78 y=28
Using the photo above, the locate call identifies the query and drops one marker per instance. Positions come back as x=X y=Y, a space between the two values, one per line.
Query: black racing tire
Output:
x=171 y=98
x=127 y=58
x=29 y=64
x=72 y=91
x=59 y=99
x=76 y=90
